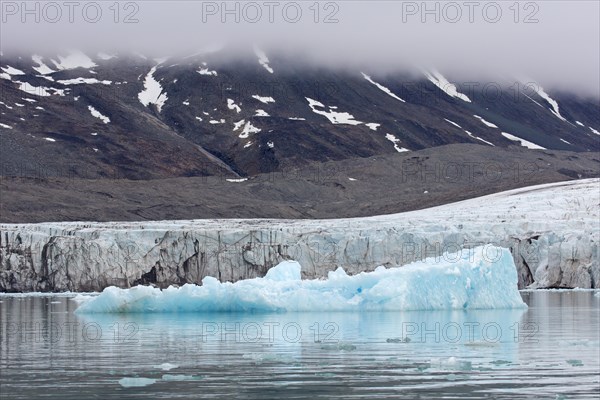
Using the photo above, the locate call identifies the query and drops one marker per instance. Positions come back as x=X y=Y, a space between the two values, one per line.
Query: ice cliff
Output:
x=551 y=230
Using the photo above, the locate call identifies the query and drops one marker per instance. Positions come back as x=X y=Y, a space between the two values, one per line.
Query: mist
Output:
x=557 y=43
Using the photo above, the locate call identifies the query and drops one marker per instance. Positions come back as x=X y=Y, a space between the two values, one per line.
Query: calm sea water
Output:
x=551 y=350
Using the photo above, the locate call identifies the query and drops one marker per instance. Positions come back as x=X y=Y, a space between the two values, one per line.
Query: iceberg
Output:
x=484 y=277
x=136 y=382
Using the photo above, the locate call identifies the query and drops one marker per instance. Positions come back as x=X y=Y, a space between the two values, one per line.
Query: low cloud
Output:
x=554 y=42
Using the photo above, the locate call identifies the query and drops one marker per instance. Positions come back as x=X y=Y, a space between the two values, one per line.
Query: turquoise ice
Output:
x=481 y=278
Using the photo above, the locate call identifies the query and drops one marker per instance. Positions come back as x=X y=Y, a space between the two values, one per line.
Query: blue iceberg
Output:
x=481 y=278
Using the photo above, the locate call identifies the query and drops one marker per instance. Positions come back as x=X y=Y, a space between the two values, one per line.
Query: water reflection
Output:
x=549 y=349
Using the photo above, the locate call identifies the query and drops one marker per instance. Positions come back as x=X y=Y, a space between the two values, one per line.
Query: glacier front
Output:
x=480 y=278
x=551 y=231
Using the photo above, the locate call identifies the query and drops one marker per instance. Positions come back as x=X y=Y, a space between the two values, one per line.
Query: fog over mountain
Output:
x=554 y=42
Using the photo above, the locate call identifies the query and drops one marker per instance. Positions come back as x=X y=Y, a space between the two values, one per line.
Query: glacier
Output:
x=551 y=231
x=481 y=278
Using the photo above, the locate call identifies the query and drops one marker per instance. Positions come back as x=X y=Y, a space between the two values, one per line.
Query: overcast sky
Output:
x=554 y=42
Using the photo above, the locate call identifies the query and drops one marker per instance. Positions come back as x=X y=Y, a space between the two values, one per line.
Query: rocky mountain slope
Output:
x=129 y=116
x=355 y=187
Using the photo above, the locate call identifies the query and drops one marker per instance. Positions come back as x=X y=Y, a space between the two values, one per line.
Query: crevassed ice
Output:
x=484 y=277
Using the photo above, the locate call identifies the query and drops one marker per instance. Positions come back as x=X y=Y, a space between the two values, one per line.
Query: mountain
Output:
x=134 y=117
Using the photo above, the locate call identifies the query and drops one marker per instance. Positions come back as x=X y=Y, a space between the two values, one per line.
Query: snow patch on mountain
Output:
x=450 y=89
x=478 y=138
x=261 y=113
x=238 y=125
x=579 y=123
x=263 y=99
x=12 y=71
x=333 y=116
x=453 y=123
x=248 y=129
x=262 y=59
x=553 y=103
x=486 y=123
x=382 y=88
x=98 y=115
x=524 y=143
x=78 y=81
x=5 y=126
x=395 y=140
x=41 y=91
x=232 y=106
x=206 y=71
x=373 y=126
x=594 y=130
x=153 y=92
x=75 y=59
x=42 y=68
